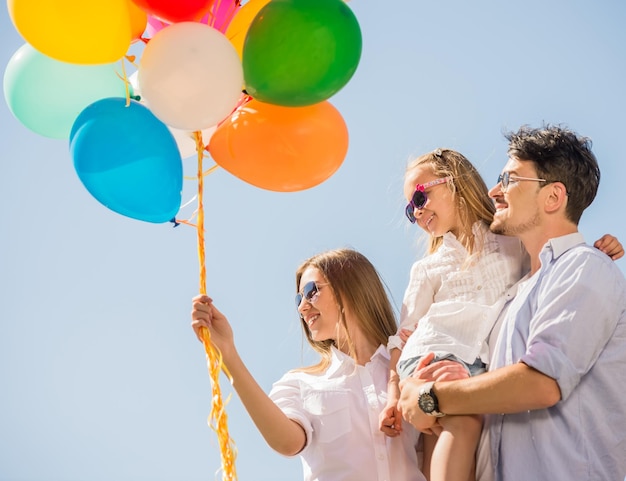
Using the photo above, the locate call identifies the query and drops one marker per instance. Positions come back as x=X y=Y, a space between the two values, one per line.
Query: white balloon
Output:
x=185 y=139
x=191 y=76
x=187 y=142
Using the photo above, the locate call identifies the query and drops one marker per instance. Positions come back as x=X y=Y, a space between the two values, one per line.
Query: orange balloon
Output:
x=138 y=20
x=283 y=149
x=238 y=27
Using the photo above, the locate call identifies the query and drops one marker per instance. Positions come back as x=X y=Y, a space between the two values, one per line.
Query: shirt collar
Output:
x=383 y=352
x=558 y=245
x=341 y=361
x=478 y=228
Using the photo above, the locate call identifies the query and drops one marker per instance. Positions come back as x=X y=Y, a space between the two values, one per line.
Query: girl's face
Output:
x=439 y=215
x=321 y=313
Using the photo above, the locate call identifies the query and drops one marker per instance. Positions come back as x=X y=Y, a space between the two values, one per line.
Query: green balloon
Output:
x=300 y=52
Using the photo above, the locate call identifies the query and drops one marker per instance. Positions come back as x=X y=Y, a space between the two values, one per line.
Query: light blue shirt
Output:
x=567 y=321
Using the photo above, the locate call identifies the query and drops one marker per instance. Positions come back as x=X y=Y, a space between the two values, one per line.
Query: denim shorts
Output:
x=406 y=367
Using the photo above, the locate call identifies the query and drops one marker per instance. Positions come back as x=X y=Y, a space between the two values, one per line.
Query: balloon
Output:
x=75 y=31
x=154 y=25
x=191 y=76
x=174 y=11
x=300 y=52
x=138 y=21
x=185 y=140
x=220 y=15
x=282 y=149
x=238 y=28
x=47 y=95
x=128 y=160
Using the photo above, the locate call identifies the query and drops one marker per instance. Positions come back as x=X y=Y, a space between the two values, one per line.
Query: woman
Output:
x=328 y=413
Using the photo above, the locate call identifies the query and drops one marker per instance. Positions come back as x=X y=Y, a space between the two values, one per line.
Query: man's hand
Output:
x=409 y=407
x=445 y=370
x=426 y=371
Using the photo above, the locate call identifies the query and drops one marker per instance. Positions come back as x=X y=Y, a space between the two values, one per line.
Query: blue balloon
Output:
x=128 y=160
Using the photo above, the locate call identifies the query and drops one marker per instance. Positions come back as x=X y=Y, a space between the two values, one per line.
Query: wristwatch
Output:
x=428 y=401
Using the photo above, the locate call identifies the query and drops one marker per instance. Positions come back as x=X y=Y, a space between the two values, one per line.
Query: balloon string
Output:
x=124 y=78
x=215 y=8
x=126 y=83
x=218 y=419
x=206 y=172
x=200 y=224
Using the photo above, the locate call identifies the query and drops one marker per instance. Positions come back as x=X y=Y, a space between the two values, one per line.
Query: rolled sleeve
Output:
x=286 y=394
x=568 y=334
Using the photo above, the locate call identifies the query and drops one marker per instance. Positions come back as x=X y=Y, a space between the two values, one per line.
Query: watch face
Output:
x=426 y=403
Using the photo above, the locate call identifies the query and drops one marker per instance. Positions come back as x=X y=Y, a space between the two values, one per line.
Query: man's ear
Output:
x=557 y=197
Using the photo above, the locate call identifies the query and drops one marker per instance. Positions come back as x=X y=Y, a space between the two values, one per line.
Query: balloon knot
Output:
x=136 y=97
x=175 y=222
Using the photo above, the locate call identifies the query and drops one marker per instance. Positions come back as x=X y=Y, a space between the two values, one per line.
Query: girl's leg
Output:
x=428 y=445
x=454 y=455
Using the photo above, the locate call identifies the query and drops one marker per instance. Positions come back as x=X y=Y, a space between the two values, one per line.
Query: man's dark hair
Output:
x=560 y=155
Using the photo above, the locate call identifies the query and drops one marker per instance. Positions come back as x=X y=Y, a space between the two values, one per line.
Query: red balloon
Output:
x=174 y=11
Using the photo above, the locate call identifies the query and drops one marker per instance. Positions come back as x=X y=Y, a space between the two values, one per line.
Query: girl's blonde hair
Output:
x=468 y=188
x=357 y=287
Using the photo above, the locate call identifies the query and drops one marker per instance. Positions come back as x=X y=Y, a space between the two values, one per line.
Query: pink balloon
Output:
x=154 y=25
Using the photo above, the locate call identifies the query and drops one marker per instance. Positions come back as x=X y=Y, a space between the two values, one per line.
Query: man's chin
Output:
x=497 y=227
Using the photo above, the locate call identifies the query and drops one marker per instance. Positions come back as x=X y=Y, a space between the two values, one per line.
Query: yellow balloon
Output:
x=238 y=27
x=74 y=31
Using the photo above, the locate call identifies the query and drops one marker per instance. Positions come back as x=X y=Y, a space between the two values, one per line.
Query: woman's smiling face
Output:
x=322 y=314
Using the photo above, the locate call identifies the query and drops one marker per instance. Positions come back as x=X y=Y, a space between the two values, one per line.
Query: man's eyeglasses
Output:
x=310 y=292
x=506 y=178
x=419 y=199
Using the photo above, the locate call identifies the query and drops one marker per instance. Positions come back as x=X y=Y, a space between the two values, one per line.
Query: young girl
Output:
x=454 y=295
x=328 y=413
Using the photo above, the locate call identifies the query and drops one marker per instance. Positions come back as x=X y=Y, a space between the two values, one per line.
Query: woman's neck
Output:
x=362 y=350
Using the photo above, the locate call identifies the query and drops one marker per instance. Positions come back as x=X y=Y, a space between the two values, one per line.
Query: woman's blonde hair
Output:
x=468 y=188
x=358 y=288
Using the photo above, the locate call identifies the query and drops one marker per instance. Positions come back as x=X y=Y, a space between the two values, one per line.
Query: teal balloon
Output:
x=128 y=160
x=47 y=95
x=300 y=52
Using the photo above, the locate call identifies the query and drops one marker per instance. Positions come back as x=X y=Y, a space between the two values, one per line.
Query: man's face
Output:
x=517 y=204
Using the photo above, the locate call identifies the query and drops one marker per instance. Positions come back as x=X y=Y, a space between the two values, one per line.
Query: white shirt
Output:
x=338 y=410
x=455 y=298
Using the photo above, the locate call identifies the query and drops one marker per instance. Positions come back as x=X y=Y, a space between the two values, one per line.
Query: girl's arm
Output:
x=390 y=420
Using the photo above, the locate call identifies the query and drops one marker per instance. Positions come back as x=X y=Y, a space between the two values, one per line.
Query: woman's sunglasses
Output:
x=310 y=292
x=419 y=199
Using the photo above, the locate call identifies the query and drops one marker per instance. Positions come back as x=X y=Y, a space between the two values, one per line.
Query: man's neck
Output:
x=534 y=242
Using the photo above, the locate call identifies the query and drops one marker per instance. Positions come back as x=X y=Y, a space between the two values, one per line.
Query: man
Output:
x=555 y=394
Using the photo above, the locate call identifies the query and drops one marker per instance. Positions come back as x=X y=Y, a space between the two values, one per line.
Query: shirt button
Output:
x=381 y=457
x=479 y=288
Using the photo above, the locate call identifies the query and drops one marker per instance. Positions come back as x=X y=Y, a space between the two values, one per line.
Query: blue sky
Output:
x=101 y=376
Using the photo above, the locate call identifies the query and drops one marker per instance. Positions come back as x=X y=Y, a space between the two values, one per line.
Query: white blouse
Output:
x=454 y=299
x=339 y=410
